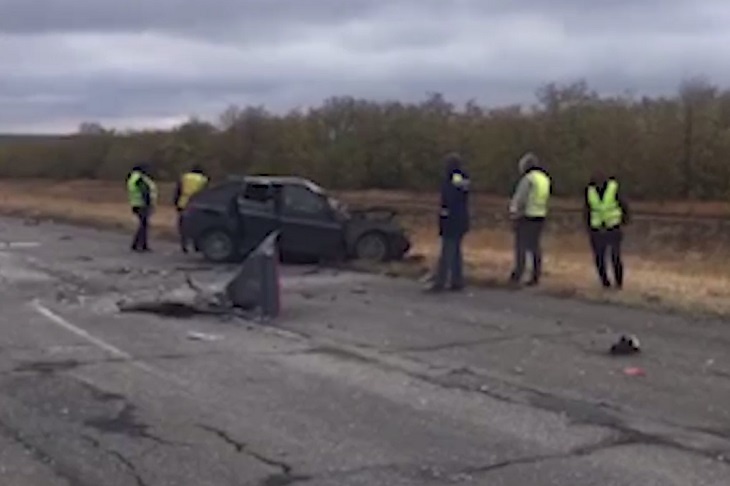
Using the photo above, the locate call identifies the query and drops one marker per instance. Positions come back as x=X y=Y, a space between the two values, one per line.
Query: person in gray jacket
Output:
x=528 y=209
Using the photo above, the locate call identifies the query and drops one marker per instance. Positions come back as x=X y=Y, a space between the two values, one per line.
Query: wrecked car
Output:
x=226 y=221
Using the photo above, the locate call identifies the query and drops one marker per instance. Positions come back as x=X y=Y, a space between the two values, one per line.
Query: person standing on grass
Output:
x=605 y=213
x=453 y=225
x=142 y=193
x=528 y=210
x=189 y=184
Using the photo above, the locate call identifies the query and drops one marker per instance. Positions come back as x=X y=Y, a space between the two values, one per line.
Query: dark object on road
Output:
x=254 y=291
x=227 y=221
x=256 y=286
x=626 y=345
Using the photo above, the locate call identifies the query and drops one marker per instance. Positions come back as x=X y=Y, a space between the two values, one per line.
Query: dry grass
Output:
x=693 y=281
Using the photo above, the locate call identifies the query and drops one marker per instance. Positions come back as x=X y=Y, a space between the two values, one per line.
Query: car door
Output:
x=256 y=215
x=308 y=225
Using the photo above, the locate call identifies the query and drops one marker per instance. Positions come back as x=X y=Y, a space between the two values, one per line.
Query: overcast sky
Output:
x=137 y=63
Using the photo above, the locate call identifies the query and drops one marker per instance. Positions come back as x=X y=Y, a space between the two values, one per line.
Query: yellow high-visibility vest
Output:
x=190 y=184
x=537 y=201
x=606 y=211
x=133 y=192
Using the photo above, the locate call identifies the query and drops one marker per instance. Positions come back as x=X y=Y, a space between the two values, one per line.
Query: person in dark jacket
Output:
x=605 y=213
x=453 y=225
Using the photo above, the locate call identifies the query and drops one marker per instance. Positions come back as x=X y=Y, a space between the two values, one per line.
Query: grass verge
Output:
x=695 y=281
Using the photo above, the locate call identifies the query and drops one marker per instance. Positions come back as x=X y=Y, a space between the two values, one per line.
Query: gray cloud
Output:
x=147 y=62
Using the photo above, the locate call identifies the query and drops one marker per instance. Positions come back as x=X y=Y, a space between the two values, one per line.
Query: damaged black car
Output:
x=228 y=220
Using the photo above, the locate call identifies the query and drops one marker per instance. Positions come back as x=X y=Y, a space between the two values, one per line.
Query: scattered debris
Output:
x=201 y=336
x=626 y=345
x=167 y=308
x=360 y=290
x=253 y=292
x=118 y=271
x=65 y=238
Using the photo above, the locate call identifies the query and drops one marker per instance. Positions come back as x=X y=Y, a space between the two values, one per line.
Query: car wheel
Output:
x=218 y=246
x=372 y=247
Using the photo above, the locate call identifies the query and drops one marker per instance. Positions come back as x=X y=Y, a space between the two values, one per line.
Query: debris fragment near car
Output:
x=252 y=293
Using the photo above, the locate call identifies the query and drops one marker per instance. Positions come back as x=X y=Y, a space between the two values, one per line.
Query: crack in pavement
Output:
x=128 y=464
x=66 y=473
x=578 y=411
x=50 y=367
x=478 y=342
x=285 y=477
x=125 y=422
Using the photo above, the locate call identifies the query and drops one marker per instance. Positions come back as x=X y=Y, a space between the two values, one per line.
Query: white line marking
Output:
x=19 y=244
x=63 y=323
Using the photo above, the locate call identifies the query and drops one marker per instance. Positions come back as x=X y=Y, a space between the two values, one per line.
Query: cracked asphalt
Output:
x=362 y=381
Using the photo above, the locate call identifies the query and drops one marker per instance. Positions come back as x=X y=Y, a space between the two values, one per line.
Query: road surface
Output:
x=362 y=381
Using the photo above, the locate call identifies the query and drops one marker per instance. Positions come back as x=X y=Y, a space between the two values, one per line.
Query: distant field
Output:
x=678 y=252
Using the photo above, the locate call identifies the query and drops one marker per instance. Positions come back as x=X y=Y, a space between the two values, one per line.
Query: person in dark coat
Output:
x=605 y=213
x=453 y=225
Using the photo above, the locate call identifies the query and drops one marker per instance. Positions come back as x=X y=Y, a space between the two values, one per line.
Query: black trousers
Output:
x=605 y=242
x=451 y=263
x=140 y=242
x=183 y=240
x=528 y=233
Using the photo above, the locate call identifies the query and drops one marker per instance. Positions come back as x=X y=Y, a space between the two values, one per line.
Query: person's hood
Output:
x=453 y=162
x=527 y=162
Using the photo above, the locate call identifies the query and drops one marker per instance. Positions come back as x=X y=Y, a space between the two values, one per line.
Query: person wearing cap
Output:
x=528 y=209
x=453 y=225
x=142 y=193
x=605 y=212
x=189 y=184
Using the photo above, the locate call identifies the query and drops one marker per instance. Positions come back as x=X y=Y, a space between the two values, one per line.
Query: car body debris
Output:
x=201 y=336
x=252 y=293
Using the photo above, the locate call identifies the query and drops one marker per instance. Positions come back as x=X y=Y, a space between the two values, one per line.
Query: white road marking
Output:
x=109 y=348
x=19 y=244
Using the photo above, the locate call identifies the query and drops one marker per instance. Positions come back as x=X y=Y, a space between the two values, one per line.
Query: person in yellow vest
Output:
x=605 y=213
x=528 y=209
x=189 y=184
x=142 y=193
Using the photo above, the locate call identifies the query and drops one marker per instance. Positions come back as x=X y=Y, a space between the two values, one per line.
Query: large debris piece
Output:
x=253 y=292
x=256 y=285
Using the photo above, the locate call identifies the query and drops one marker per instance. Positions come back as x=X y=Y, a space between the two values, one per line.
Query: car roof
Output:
x=282 y=181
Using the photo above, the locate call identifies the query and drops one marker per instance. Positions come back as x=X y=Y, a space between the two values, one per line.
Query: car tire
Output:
x=218 y=246
x=372 y=247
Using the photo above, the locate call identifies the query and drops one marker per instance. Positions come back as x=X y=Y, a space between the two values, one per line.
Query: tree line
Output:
x=672 y=147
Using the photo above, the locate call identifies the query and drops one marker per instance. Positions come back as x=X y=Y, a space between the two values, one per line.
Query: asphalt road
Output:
x=362 y=381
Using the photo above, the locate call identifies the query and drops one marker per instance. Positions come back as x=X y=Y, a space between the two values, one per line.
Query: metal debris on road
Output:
x=201 y=336
x=252 y=293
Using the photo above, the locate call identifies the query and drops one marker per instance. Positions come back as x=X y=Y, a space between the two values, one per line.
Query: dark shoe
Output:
x=533 y=282
x=456 y=288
